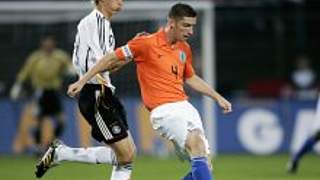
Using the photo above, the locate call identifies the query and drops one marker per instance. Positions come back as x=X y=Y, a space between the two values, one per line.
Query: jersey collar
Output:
x=99 y=13
x=163 y=41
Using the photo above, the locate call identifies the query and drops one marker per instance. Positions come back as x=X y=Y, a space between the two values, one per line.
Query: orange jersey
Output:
x=161 y=67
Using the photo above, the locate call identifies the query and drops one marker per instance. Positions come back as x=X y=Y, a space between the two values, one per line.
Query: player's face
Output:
x=111 y=6
x=184 y=28
x=48 y=44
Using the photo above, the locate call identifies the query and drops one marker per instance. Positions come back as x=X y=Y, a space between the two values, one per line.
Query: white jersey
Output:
x=94 y=39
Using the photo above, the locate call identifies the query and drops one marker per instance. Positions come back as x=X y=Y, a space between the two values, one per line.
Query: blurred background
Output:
x=264 y=57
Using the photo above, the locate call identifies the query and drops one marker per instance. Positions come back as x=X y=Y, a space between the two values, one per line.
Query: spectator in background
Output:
x=45 y=69
x=303 y=79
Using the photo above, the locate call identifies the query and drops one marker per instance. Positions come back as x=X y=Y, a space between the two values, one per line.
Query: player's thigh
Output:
x=169 y=126
x=173 y=121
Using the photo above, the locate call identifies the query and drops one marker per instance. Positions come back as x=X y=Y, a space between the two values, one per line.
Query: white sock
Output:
x=121 y=172
x=94 y=155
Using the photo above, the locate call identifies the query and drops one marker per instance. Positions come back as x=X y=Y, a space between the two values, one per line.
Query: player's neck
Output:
x=105 y=13
x=169 y=35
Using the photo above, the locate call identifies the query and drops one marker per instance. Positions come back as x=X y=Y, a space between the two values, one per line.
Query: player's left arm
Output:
x=198 y=84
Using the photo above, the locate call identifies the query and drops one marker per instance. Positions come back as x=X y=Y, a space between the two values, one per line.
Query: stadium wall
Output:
x=256 y=126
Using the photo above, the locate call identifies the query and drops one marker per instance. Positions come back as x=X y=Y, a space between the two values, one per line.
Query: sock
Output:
x=200 y=169
x=121 y=172
x=307 y=146
x=188 y=176
x=94 y=155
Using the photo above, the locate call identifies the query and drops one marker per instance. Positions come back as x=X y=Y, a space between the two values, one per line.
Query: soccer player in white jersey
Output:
x=97 y=102
x=308 y=144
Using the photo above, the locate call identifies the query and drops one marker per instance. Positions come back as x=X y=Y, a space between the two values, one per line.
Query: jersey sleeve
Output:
x=135 y=50
x=188 y=71
x=27 y=68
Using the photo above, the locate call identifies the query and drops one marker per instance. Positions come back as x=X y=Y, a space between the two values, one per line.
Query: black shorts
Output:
x=49 y=103
x=105 y=113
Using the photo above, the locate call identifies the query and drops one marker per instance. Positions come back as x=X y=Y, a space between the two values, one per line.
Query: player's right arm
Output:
x=198 y=84
x=135 y=48
x=107 y=63
x=22 y=76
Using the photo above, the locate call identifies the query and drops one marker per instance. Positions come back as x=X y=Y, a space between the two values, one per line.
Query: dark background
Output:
x=256 y=41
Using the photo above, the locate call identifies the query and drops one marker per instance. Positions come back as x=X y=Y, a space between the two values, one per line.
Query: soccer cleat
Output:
x=292 y=167
x=48 y=160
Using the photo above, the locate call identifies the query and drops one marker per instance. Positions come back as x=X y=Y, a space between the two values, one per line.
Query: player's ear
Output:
x=170 y=22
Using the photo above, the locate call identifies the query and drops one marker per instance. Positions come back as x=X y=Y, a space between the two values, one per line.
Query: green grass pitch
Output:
x=227 y=167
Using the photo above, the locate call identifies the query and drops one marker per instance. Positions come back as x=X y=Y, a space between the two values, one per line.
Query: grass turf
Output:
x=227 y=167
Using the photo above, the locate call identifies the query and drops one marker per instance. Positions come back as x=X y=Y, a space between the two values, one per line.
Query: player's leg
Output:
x=91 y=155
x=119 y=154
x=189 y=175
x=60 y=124
x=113 y=115
x=125 y=153
x=38 y=111
x=308 y=143
x=55 y=109
x=47 y=135
x=109 y=125
x=195 y=145
x=306 y=147
x=59 y=152
x=181 y=123
x=23 y=141
x=104 y=128
x=46 y=107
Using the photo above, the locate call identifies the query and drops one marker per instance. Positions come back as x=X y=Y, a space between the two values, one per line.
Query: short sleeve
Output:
x=136 y=49
x=188 y=71
x=28 y=67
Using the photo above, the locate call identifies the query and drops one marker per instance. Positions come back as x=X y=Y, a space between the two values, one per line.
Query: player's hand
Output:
x=15 y=91
x=75 y=88
x=225 y=105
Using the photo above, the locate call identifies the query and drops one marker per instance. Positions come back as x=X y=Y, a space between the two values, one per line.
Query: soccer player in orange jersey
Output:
x=164 y=64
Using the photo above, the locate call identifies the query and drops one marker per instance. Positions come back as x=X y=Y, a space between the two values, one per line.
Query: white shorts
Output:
x=175 y=120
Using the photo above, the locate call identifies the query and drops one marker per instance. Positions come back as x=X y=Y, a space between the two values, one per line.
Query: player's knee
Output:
x=126 y=155
x=126 y=158
x=195 y=144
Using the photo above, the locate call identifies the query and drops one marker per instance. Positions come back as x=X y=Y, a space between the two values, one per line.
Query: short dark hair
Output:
x=48 y=36
x=180 y=10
